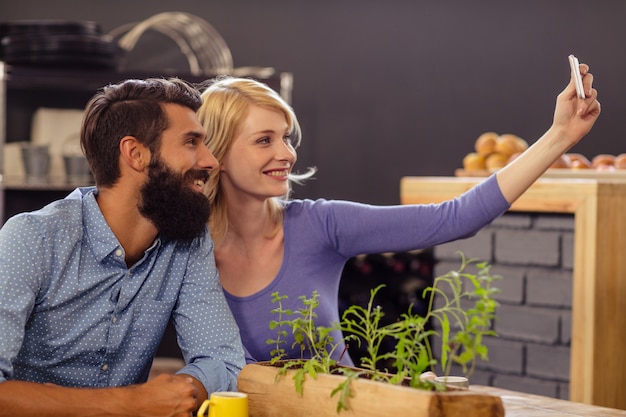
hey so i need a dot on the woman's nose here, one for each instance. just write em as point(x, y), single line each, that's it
point(287, 153)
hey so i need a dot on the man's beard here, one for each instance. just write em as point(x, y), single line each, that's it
point(169, 202)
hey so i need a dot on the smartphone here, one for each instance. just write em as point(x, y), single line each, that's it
point(578, 79)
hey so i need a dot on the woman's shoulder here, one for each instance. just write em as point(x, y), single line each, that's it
point(300, 206)
point(322, 211)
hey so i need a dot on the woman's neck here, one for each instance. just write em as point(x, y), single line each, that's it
point(252, 221)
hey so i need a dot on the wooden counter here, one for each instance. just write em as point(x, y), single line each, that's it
point(518, 404)
point(598, 346)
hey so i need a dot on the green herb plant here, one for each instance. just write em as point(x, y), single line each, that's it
point(460, 304)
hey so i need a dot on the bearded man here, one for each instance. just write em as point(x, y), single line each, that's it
point(89, 283)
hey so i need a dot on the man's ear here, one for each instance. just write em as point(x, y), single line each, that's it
point(133, 153)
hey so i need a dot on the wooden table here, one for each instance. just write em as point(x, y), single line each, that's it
point(598, 358)
point(517, 404)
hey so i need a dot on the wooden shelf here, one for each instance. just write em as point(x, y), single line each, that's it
point(51, 183)
point(572, 174)
point(598, 363)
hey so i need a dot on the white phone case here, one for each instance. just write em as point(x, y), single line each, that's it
point(578, 80)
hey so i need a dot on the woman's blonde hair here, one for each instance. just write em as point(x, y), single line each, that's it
point(225, 104)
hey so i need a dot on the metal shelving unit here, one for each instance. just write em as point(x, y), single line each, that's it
point(25, 89)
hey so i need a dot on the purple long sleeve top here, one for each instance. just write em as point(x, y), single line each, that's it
point(321, 235)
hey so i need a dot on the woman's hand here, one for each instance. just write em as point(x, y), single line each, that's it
point(574, 117)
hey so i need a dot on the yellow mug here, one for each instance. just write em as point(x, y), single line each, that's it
point(225, 404)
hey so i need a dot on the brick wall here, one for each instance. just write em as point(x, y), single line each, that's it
point(533, 253)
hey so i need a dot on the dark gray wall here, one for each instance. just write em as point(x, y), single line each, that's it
point(391, 88)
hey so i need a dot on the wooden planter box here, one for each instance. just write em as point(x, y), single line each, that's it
point(269, 397)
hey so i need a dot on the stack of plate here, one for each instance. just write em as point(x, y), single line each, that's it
point(57, 43)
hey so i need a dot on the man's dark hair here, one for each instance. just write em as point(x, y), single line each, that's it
point(129, 108)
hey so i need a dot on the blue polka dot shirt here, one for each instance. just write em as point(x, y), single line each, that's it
point(72, 313)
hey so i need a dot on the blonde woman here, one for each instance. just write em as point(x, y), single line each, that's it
point(266, 242)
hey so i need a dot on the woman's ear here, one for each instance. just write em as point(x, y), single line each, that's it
point(133, 153)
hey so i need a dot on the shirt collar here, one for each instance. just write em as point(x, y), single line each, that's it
point(101, 238)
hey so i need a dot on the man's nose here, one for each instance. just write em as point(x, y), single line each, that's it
point(207, 160)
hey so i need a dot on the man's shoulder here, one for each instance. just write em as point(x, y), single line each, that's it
point(56, 214)
point(202, 244)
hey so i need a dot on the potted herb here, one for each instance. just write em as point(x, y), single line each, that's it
point(462, 305)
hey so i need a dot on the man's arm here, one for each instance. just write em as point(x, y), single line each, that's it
point(207, 332)
point(164, 395)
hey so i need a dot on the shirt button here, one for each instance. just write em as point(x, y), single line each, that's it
point(118, 252)
point(105, 367)
point(114, 320)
